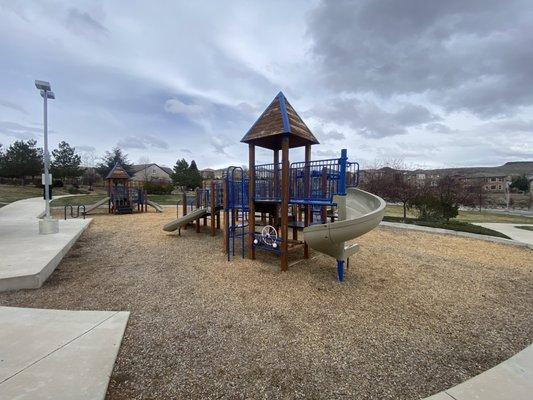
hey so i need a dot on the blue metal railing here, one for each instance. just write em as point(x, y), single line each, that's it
point(313, 182)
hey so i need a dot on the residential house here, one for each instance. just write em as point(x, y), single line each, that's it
point(151, 173)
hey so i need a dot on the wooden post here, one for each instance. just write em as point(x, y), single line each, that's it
point(213, 231)
point(284, 201)
point(251, 201)
point(275, 189)
point(203, 201)
point(324, 184)
point(295, 222)
point(197, 207)
point(184, 206)
point(226, 214)
point(307, 191)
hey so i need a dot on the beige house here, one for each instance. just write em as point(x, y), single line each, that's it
point(151, 173)
point(210, 173)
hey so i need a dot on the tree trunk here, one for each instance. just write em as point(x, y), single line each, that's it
point(404, 211)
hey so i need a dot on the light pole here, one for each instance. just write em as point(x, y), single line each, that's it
point(47, 224)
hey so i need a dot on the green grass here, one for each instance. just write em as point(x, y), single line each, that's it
point(86, 200)
point(459, 226)
point(11, 193)
point(166, 199)
point(526, 228)
point(163, 199)
point(394, 210)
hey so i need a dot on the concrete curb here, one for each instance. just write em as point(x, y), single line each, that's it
point(439, 231)
point(511, 379)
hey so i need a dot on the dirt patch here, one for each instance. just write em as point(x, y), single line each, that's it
point(418, 313)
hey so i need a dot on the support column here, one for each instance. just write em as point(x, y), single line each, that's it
point(307, 193)
point(198, 202)
point(212, 205)
point(225, 233)
point(284, 201)
point(275, 191)
point(324, 184)
point(251, 201)
point(183, 207)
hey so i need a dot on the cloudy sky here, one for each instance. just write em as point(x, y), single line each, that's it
point(434, 83)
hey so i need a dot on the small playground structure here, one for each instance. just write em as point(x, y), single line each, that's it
point(319, 197)
point(124, 196)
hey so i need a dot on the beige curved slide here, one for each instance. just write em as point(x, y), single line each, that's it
point(359, 213)
point(96, 205)
point(177, 223)
point(157, 207)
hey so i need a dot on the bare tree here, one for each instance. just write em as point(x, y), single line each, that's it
point(145, 161)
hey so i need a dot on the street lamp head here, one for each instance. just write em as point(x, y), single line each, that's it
point(49, 95)
point(43, 85)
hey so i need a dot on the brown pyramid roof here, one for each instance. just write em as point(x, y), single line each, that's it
point(118, 172)
point(278, 119)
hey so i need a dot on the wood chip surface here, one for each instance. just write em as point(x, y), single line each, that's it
point(417, 314)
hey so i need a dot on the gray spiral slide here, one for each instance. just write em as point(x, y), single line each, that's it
point(359, 213)
point(177, 223)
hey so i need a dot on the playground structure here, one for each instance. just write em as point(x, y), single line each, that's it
point(207, 202)
point(124, 196)
point(318, 197)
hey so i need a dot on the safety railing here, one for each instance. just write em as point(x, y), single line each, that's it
point(267, 182)
point(313, 182)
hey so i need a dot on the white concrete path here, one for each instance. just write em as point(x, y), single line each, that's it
point(510, 230)
point(29, 258)
point(512, 380)
point(439, 231)
point(57, 354)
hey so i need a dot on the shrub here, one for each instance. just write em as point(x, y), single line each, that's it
point(57, 183)
point(158, 188)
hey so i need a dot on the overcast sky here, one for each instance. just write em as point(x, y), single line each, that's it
point(435, 83)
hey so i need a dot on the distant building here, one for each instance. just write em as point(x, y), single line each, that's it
point(151, 173)
point(209, 173)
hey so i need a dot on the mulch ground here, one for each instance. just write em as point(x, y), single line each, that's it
point(417, 314)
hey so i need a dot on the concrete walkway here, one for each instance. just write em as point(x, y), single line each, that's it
point(512, 379)
point(510, 230)
point(29, 258)
point(57, 354)
point(439, 231)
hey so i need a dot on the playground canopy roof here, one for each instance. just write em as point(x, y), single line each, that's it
point(118, 172)
point(279, 119)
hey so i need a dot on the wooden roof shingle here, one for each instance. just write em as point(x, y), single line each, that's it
point(279, 119)
point(118, 172)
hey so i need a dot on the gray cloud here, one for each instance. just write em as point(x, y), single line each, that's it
point(19, 131)
point(86, 148)
point(82, 23)
point(142, 142)
point(372, 121)
point(473, 56)
point(13, 106)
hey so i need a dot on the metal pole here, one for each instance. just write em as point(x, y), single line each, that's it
point(46, 157)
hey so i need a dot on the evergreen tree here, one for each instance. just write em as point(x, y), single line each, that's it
point(521, 183)
point(180, 176)
point(22, 159)
point(195, 178)
point(110, 159)
point(66, 163)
